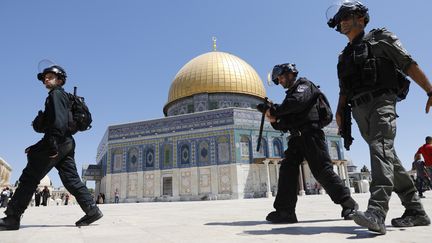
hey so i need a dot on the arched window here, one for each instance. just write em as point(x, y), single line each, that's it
point(334, 151)
point(185, 154)
point(149, 158)
point(263, 152)
point(117, 160)
point(204, 152)
point(245, 147)
point(277, 147)
point(132, 160)
point(167, 156)
point(223, 149)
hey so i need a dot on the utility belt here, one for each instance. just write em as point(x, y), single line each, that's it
point(297, 132)
point(367, 97)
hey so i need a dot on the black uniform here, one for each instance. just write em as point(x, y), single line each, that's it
point(53, 122)
point(298, 114)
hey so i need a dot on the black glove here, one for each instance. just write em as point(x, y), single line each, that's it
point(38, 123)
point(263, 107)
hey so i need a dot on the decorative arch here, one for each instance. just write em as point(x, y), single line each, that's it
point(117, 160)
point(149, 157)
point(203, 153)
point(263, 152)
point(132, 159)
point(223, 149)
point(184, 154)
point(245, 148)
point(277, 148)
point(167, 156)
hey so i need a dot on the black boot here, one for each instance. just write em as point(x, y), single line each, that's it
point(281, 217)
point(410, 218)
point(91, 216)
point(371, 219)
point(10, 222)
point(349, 207)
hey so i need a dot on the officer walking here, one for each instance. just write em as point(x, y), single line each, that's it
point(298, 114)
point(371, 72)
point(55, 149)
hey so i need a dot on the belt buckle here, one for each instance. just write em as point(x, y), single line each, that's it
point(294, 134)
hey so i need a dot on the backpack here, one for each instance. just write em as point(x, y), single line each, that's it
point(80, 118)
point(325, 114)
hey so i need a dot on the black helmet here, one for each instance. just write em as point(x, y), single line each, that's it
point(283, 68)
point(346, 9)
point(59, 71)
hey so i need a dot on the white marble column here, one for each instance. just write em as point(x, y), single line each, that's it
point(266, 164)
point(277, 170)
point(277, 165)
point(302, 191)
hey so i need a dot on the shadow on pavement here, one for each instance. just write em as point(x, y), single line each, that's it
point(251, 223)
point(239, 223)
point(47, 226)
point(355, 231)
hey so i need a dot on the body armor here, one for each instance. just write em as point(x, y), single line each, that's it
point(359, 70)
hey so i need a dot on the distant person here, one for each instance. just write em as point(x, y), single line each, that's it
point(426, 151)
point(66, 199)
point(116, 196)
point(37, 197)
point(45, 196)
point(99, 199)
point(55, 149)
point(422, 177)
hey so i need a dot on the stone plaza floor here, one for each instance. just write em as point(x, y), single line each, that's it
point(211, 221)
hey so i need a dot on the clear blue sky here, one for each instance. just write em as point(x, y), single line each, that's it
point(123, 56)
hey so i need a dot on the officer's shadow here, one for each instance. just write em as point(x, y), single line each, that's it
point(48, 226)
point(355, 232)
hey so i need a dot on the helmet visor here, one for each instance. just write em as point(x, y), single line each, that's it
point(277, 71)
point(340, 11)
point(269, 79)
point(44, 64)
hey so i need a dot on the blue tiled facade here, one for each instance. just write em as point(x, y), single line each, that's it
point(217, 137)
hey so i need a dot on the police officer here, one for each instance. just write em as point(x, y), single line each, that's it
point(298, 114)
point(55, 149)
point(371, 72)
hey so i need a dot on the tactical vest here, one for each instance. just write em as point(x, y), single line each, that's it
point(359, 70)
point(308, 116)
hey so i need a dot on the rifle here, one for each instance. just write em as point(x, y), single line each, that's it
point(345, 130)
point(262, 108)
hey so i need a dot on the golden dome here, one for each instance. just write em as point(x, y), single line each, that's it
point(215, 72)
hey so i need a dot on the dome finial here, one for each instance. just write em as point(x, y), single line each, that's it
point(214, 43)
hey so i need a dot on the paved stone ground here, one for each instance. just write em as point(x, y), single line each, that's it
point(211, 221)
